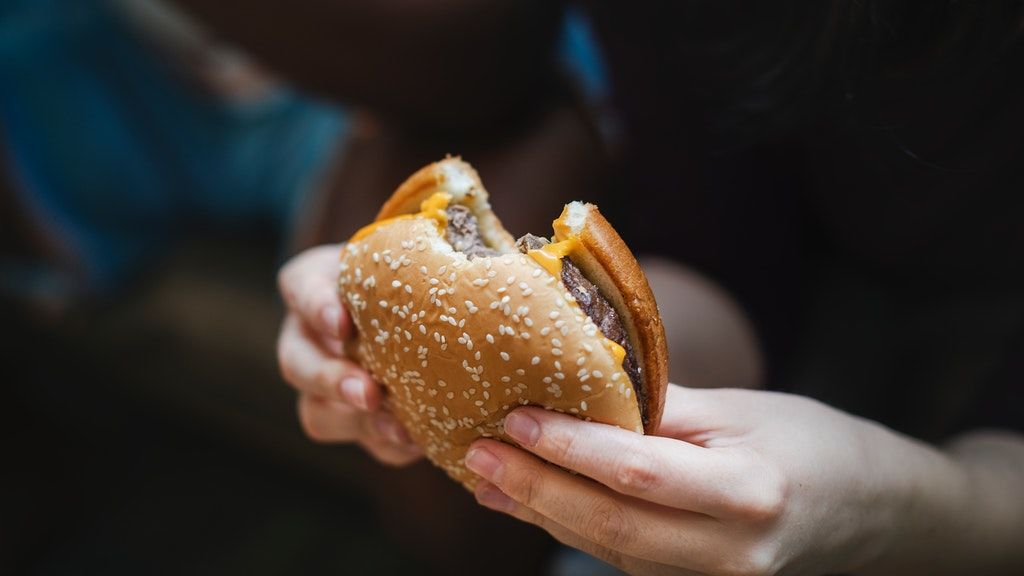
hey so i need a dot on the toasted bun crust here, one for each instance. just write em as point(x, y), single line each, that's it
point(459, 343)
point(459, 179)
point(608, 263)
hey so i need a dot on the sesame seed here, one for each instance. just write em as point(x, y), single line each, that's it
point(489, 338)
point(396, 283)
point(535, 360)
point(504, 356)
point(553, 314)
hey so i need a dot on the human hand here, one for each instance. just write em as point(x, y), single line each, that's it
point(738, 482)
point(338, 399)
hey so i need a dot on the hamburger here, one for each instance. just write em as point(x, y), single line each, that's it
point(462, 323)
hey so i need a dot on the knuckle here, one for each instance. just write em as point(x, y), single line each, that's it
point(561, 445)
point(283, 284)
point(394, 459)
point(768, 500)
point(635, 474)
point(284, 363)
point(308, 421)
point(764, 496)
point(608, 525)
point(527, 486)
point(752, 561)
point(324, 376)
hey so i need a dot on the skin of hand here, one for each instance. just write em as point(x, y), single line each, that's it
point(338, 400)
point(752, 482)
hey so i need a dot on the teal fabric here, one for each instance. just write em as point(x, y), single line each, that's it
point(116, 156)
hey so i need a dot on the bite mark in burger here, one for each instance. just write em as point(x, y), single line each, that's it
point(461, 323)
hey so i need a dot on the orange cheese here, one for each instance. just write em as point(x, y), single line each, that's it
point(432, 208)
point(550, 255)
point(618, 351)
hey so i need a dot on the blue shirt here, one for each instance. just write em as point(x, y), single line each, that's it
point(115, 155)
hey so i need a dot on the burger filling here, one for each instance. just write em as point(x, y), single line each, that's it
point(463, 233)
point(589, 298)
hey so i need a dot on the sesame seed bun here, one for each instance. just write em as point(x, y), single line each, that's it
point(459, 342)
point(607, 262)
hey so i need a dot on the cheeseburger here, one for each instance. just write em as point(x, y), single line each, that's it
point(463, 323)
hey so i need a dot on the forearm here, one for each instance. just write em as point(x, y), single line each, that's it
point(957, 511)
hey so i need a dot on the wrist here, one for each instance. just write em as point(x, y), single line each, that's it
point(922, 500)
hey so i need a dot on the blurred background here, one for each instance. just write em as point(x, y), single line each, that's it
point(154, 175)
point(846, 171)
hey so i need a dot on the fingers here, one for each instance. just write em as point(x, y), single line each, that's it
point(308, 284)
point(379, 433)
point(489, 495)
point(593, 512)
point(306, 366)
point(392, 454)
point(660, 470)
point(329, 421)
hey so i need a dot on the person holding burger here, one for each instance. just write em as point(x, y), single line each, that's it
point(845, 172)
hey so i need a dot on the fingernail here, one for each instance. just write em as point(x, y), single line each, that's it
point(490, 496)
point(484, 463)
point(331, 317)
point(353, 390)
point(522, 428)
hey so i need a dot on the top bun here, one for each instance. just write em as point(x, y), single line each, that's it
point(458, 342)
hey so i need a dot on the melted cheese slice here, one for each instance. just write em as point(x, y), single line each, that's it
point(433, 208)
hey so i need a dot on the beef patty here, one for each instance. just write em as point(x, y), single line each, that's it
point(463, 233)
point(589, 298)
